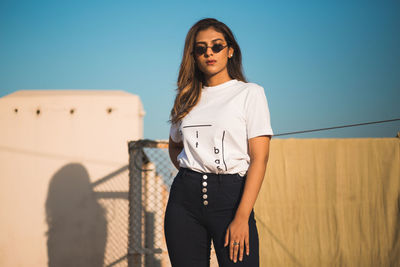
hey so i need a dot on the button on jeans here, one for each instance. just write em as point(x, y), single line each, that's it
point(200, 208)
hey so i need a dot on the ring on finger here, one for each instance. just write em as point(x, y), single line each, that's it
point(235, 243)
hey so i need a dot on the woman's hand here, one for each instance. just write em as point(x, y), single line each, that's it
point(237, 237)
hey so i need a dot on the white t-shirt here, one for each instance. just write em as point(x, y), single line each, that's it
point(215, 133)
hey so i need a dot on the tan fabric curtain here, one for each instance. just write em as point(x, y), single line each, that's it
point(330, 202)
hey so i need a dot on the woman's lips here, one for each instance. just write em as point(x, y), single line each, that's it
point(211, 62)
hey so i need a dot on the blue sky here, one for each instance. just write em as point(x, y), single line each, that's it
point(321, 63)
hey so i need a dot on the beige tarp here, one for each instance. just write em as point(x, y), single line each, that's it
point(330, 202)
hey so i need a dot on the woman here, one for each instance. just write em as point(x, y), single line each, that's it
point(219, 141)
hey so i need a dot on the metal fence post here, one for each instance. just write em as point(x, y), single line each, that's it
point(135, 205)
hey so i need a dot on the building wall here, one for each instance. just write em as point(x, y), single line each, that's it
point(63, 176)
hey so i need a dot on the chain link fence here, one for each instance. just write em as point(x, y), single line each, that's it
point(151, 174)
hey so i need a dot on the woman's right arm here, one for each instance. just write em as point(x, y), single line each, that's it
point(174, 149)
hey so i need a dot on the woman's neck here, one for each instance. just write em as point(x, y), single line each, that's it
point(217, 79)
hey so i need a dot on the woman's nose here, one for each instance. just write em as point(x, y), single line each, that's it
point(208, 51)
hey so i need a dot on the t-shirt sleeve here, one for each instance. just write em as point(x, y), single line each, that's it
point(175, 133)
point(258, 120)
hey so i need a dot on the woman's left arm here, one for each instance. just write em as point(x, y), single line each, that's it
point(238, 230)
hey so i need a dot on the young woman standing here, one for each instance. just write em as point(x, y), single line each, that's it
point(219, 141)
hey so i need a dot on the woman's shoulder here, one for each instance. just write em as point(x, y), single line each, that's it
point(243, 90)
point(251, 87)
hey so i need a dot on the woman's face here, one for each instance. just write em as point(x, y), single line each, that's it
point(212, 63)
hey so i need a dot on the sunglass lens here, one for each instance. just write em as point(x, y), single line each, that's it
point(199, 50)
point(217, 48)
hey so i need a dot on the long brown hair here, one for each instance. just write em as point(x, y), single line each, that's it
point(191, 79)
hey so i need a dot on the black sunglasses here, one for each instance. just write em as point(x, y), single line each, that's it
point(216, 48)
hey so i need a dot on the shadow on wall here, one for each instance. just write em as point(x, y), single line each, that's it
point(77, 226)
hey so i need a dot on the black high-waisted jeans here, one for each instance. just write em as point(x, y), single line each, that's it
point(200, 208)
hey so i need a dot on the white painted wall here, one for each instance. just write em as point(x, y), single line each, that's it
point(63, 176)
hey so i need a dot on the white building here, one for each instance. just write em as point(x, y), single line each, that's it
point(64, 176)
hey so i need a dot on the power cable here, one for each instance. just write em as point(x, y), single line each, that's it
point(336, 127)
